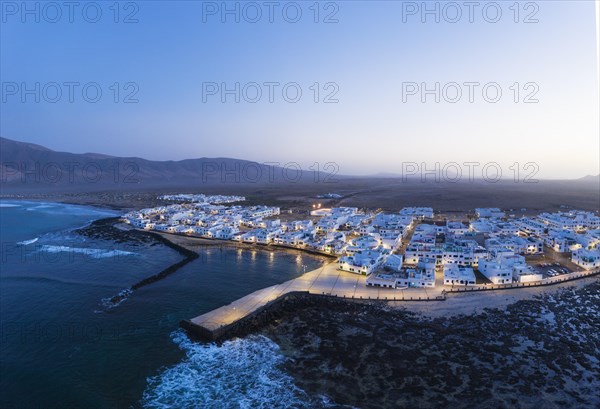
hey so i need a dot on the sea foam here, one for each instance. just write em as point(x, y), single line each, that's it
point(243, 373)
point(94, 253)
point(28, 242)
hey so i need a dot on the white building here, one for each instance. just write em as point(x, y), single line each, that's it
point(419, 213)
point(574, 220)
point(562, 241)
point(531, 226)
point(481, 226)
point(519, 245)
point(489, 212)
point(589, 240)
point(458, 275)
point(266, 236)
point(588, 259)
point(394, 262)
point(496, 272)
point(457, 228)
point(382, 280)
point(503, 265)
point(528, 276)
point(363, 262)
point(421, 276)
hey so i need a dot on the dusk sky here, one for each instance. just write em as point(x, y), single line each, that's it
point(370, 59)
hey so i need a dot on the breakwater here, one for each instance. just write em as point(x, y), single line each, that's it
point(105, 228)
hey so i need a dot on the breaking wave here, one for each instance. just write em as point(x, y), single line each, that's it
point(28, 242)
point(42, 206)
point(243, 373)
point(94, 253)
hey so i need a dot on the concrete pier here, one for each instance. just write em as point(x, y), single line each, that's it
point(326, 280)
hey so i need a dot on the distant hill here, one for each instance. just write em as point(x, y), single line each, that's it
point(590, 178)
point(26, 166)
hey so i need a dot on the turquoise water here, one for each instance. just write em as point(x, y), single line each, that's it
point(60, 348)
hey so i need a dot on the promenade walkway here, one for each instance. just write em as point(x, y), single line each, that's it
point(326, 280)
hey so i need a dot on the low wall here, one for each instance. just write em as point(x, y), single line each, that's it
point(440, 297)
point(545, 282)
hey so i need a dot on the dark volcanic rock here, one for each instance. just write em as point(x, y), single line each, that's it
point(537, 353)
point(104, 229)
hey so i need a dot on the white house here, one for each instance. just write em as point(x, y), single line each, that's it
point(419, 213)
point(458, 275)
point(266, 236)
point(528, 276)
point(382, 280)
point(503, 266)
point(363, 262)
point(371, 241)
point(520, 245)
point(562, 241)
point(589, 240)
point(588, 259)
point(226, 233)
point(421, 276)
point(489, 212)
point(457, 228)
point(394, 262)
point(481, 226)
point(496, 272)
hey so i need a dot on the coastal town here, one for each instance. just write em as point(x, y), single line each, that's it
point(412, 248)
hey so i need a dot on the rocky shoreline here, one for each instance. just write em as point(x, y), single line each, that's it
point(541, 352)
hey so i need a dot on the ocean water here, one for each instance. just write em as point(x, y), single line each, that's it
point(243, 373)
point(59, 348)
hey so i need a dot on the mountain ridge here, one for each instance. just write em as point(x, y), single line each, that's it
point(29, 166)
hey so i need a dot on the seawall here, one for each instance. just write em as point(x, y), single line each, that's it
point(263, 316)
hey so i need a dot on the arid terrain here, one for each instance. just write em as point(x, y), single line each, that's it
point(542, 352)
point(35, 172)
point(374, 193)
